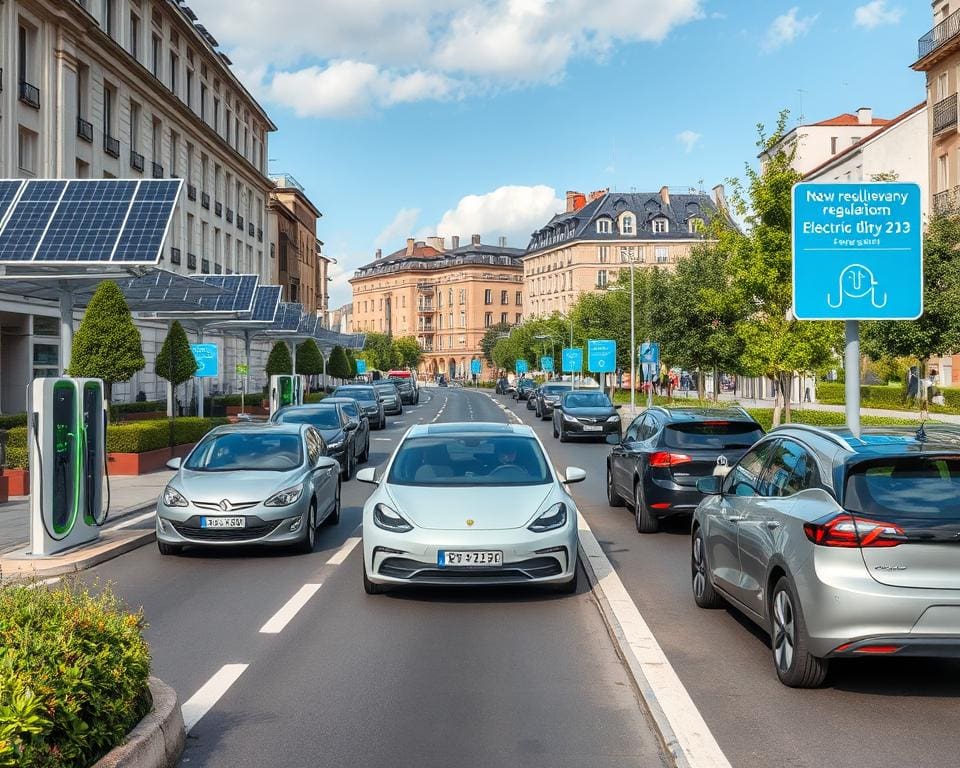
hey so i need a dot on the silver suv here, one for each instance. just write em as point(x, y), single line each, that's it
point(839, 547)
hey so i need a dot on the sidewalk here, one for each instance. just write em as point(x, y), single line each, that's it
point(127, 496)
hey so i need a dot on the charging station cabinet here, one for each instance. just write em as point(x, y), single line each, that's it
point(67, 435)
point(286, 390)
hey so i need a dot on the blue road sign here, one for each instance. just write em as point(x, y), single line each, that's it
point(572, 360)
point(361, 367)
point(601, 355)
point(857, 251)
point(208, 360)
point(546, 363)
point(521, 366)
point(649, 352)
point(475, 367)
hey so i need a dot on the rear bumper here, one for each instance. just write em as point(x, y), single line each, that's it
point(930, 646)
point(393, 410)
point(668, 501)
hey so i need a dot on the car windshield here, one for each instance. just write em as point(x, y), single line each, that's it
point(719, 434)
point(586, 400)
point(899, 488)
point(363, 394)
point(402, 383)
point(469, 460)
point(351, 410)
point(321, 418)
point(247, 451)
point(387, 389)
point(527, 383)
point(554, 389)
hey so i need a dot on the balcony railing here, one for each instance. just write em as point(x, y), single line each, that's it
point(136, 161)
point(945, 31)
point(191, 261)
point(205, 200)
point(191, 192)
point(85, 130)
point(111, 145)
point(157, 170)
point(29, 94)
point(218, 209)
point(239, 222)
point(426, 307)
point(174, 255)
point(251, 230)
point(205, 266)
point(945, 114)
point(230, 215)
point(947, 203)
point(218, 269)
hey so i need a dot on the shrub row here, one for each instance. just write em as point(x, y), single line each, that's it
point(889, 397)
point(314, 397)
point(764, 417)
point(13, 420)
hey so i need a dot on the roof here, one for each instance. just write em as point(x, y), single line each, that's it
point(696, 413)
point(885, 441)
point(423, 256)
point(470, 428)
point(259, 426)
point(851, 120)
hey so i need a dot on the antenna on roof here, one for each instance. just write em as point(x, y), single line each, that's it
point(800, 116)
point(921, 432)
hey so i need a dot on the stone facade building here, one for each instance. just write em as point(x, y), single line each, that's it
point(301, 267)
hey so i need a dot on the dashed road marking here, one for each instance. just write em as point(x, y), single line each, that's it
point(292, 607)
point(344, 552)
point(210, 693)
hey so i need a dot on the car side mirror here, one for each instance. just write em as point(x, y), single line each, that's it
point(174, 463)
point(368, 475)
point(574, 475)
point(709, 486)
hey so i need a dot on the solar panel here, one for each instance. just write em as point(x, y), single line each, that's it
point(265, 304)
point(308, 325)
point(148, 221)
point(238, 296)
point(8, 191)
point(28, 219)
point(291, 317)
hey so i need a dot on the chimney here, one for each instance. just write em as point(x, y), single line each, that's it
point(474, 239)
point(410, 242)
point(502, 242)
point(572, 199)
point(455, 242)
point(865, 116)
point(596, 194)
point(665, 195)
point(436, 243)
point(720, 198)
point(379, 253)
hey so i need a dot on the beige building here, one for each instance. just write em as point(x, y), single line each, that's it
point(446, 298)
point(294, 249)
point(585, 247)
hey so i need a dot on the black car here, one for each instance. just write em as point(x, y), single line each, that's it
point(585, 414)
point(655, 467)
point(409, 392)
point(369, 400)
point(356, 414)
point(389, 394)
point(502, 387)
point(548, 397)
point(338, 430)
point(524, 388)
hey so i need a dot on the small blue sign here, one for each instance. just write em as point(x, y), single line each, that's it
point(521, 366)
point(475, 367)
point(361, 367)
point(601, 355)
point(208, 360)
point(857, 251)
point(546, 363)
point(572, 360)
point(649, 352)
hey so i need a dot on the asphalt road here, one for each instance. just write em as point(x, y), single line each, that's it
point(872, 714)
point(420, 678)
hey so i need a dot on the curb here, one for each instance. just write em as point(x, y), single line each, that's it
point(40, 568)
point(157, 740)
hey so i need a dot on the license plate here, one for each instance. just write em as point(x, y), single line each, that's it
point(447, 559)
point(223, 522)
point(590, 428)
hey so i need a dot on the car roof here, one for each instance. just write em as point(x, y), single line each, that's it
point(680, 413)
point(353, 386)
point(259, 427)
point(467, 428)
point(883, 441)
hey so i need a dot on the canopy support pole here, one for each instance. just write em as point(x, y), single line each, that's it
point(66, 328)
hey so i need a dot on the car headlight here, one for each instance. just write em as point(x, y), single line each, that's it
point(389, 520)
point(613, 418)
point(335, 446)
point(571, 419)
point(286, 497)
point(555, 517)
point(173, 498)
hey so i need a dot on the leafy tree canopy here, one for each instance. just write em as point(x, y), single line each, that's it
point(175, 361)
point(279, 362)
point(309, 359)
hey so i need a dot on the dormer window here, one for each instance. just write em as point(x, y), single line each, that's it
point(661, 225)
point(695, 224)
point(604, 226)
point(628, 224)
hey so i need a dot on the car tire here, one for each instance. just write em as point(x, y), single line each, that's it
point(563, 435)
point(334, 517)
point(613, 498)
point(368, 586)
point(646, 522)
point(308, 542)
point(569, 587)
point(347, 472)
point(704, 594)
point(417, 399)
point(555, 433)
point(796, 667)
point(168, 549)
point(365, 456)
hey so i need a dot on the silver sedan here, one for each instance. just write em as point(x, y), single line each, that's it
point(468, 504)
point(250, 484)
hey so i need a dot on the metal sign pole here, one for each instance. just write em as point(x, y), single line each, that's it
point(851, 363)
point(66, 328)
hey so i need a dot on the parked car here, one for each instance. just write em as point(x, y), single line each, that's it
point(655, 467)
point(532, 398)
point(502, 386)
point(369, 400)
point(585, 414)
point(442, 381)
point(840, 547)
point(524, 388)
point(250, 484)
point(409, 391)
point(466, 504)
point(547, 396)
point(390, 397)
point(355, 413)
point(338, 431)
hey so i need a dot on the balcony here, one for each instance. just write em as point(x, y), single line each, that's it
point(136, 161)
point(111, 145)
point(230, 215)
point(205, 266)
point(426, 329)
point(174, 255)
point(29, 94)
point(940, 35)
point(947, 203)
point(157, 170)
point(259, 235)
point(191, 192)
point(218, 269)
point(191, 261)
point(85, 130)
point(218, 209)
point(205, 200)
point(426, 306)
point(240, 222)
point(251, 230)
point(945, 115)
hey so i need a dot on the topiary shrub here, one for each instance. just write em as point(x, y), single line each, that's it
point(73, 675)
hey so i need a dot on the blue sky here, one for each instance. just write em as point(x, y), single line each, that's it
point(393, 113)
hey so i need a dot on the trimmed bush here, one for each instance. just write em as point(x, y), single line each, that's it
point(143, 436)
point(13, 420)
point(827, 418)
point(314, 397)
point(73, 675)
point(871, 396)
point(147, 406)
point(16, 458)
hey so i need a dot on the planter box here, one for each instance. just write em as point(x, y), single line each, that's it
point(253, 410)
point(144, 463)
point(17, 481)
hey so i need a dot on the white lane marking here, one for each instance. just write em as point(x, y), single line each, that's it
point(677, 717)
point(344, 552)
point(399, 421)
point(133, 521)
point(383, 439)
point(210, 693)
point(282, 617)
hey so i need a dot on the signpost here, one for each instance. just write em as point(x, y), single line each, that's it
point(649, 361)
point(857, 255)
point(361, 367)
point(475, 369)
point(571, 361)
point(601, 355)
point(243, 370)
point(521, 366)
point(546, 364)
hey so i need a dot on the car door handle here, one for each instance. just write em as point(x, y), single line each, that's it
point(736, 519)
point(773, 525)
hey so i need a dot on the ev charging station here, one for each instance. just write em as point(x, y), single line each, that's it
point(286, 390)
point(67, 434)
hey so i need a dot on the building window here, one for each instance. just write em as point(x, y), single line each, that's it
point(463, 296)
point(488, 296)
point(463, 319)
point(628, 224)
point(216, 115)
point(155, 53)
point(134, 35)
point(661, 254)
point(134, 127)
point(603, 253)
point(487, 319)
point(203, 102)
point(108, 16)
point(695, 224)
point(628, 254)
point(943, 174)
point(503, 318)
point(504, 297)
point(27, 151)
point(174, 154)
point(174, 67)
point(604, 226)
point(601, 278)
point(834, 140)
point(519, 318)
point(661, 226)
point(109, 111)
point(189, 93)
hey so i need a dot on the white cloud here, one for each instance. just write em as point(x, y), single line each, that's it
point(689, 140)
point(875, 13)
point(400, 228)
point(786, 28)
point(510, 211)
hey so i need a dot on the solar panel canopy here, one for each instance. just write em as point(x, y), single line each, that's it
point(85, 221)
point(238, 293)
point(266, 302)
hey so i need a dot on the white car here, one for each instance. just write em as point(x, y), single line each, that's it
point(466, 504)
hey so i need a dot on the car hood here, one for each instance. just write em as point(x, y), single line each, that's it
point(240, 487)
point(490, 508)
point(593, 413)
point(332, 435)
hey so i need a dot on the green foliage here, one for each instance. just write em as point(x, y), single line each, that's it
point(175, 361)
point(73, 675)
point(13, 420)
point(145, 406)
point(143, 436)
point(352, 359)
point(107, 344)
point(314, 397)
point(764, 417)
point(407, 350)
point(380, 353)
point(279, 362)
point(309, 359)
point(338, 366)
point(490, 339)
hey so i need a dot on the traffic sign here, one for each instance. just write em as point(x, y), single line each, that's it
point(208, 360)
point(650, 352)
point(857, 251)
point(521, 366)
point(601, 355)
point(361, 367)
point(572, 360)
point(243, 369)
point(546, 363)
point(475, 367)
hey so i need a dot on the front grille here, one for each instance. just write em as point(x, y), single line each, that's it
point(526, 570)
point(214, 506)
point(256, 529)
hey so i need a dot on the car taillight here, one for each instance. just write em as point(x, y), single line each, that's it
point(847, 530)
point(667, 459)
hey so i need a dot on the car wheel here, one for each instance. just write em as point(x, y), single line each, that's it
point(417, 400)
point(555, 433)
point(368, 586)
point(365, 456)
point(703, 592)
point(568, 587)
point(795, 665)
point(613, 498)
point(646, 522)
point(334, 517)
point(400, 412)
point(347, 472)
point(306, 544)
point(169, 549)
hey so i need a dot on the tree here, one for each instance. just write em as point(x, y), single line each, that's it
point(175, 361)
point(352, 360)
point(309, 360)
point(279, 361)
point(379, 352)
point(408, 351)
point(107, 345)
point(490, 339)
point(339, 366)
point(504, 354)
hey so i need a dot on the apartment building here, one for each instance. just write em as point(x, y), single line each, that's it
point(447, 298)
point(585, 247)
point(301, 267)
point(130, 89)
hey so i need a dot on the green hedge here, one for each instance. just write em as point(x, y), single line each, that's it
point(73, 675)
point(871, 396)
point(314, 397)
point(13, 420)
point(147, 406)
point(827, 418)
